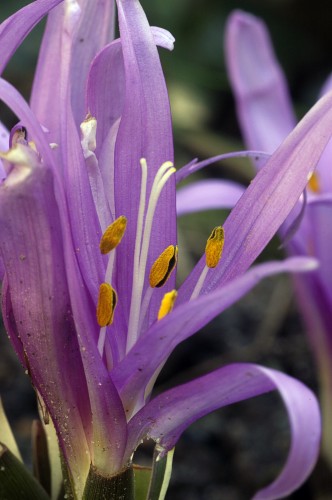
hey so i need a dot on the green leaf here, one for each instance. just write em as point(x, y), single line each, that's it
point(161, 474)
point(142, 481)
point(15, 479)
point(100, 486)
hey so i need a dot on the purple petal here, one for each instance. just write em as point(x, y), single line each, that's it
point(324, 167)
point(109, 424)
point(135, 372)
point(14, 29)
point(38, 305)
point(259, 157)
point(269, 199)
point(105, 90)
point(168, 415)
point(55, 58)
point(263, 103)
point(146, 126)
point(319, 213)
point(79, 198)
point(106, 83)
point(207, 195)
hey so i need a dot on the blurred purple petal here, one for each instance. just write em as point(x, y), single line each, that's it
point(263, 102)
point(207, 195)
point(258, 156)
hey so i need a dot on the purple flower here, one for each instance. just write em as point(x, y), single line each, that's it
point(266, 116)
point(88, 244)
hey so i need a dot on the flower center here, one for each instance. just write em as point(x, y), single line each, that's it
point(160, 270)
point(138, 308)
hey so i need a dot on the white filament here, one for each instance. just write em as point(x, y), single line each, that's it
point(200, 283)
point(143, 235)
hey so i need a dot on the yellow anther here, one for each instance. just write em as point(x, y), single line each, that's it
point(163, 266)
point(167, 304)
point(313, 183)
point(113, 235)
point(214, 246)
point(106, 304)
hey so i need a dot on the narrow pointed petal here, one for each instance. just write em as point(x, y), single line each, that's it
point(14, 29)
point(109, 419)
point(269, 199)
point(79, 198)
point(146, 123)
point(168, 415)
point(109, 425)
point(39, 303)
point(259, 157)
point(105, 92)
point(94, 28)
point(135, 372)
point(207, 195)
point(83, 217)
point(263, 102)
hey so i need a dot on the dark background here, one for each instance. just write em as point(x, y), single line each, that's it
point(230, 453)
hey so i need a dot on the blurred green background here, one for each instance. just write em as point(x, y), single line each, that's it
point(234, 451)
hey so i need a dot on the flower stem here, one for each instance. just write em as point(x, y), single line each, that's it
point(119, 487)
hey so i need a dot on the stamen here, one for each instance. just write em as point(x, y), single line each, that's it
point(213, 253)
point(200, 283)
point(113, 235)
point(214, 246)
point(163, 267)
point(313, 183)
point(162, 176)
point(167, 304)
point(106, 304)
point(143, 234)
